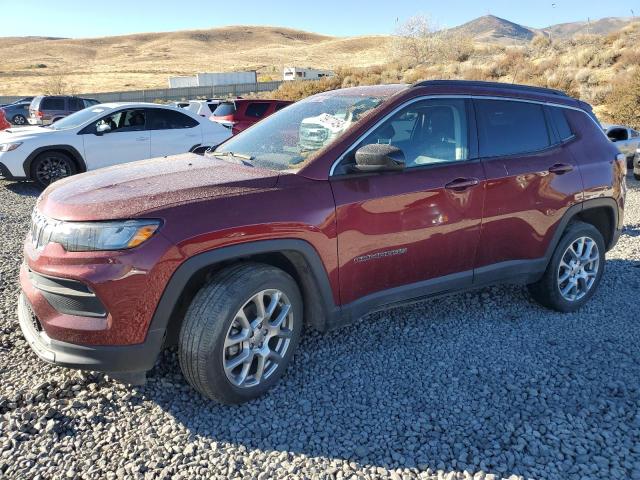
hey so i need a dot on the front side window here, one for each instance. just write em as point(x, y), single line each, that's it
point(511, 127)
point(290, 137)
point(428, 132)
point(75, 104)
point(131, 120)
point(618, 134)
point(161, 119)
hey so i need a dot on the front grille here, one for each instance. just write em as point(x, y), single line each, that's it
point(42, 229)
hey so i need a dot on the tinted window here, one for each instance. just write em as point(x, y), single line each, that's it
point(75, 104)
point(560, 121)
point(256, 110)
point(161, 119)
point(225, 109)
point(618, 134)
point(427, 132)
point(52, 103)
point(280, 106)
point(125, 120)
point(511, 127)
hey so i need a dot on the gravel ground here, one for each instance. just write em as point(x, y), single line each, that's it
point(482, 385)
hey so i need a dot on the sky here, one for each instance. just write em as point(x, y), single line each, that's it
point(97, 18)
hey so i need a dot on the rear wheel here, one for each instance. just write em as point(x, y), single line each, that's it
point(636, 176)
point(240, 332)
point(49, 167)
point(19, 120)
point(574, 271)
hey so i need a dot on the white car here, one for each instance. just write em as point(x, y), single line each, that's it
point(203, 108)
point(101, 136)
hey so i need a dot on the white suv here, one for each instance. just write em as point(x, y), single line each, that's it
point(101, 136)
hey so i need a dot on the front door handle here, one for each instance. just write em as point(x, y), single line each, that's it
point(560, 168)
point(462, 184)
point(142, 139)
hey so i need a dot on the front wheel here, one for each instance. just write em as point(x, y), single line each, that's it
point(574, 271)
point(636, 176)
point(240, 332)
point(49, 167)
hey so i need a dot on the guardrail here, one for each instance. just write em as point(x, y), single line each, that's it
point(172, 94)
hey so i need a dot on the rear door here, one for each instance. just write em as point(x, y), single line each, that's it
point(532, 179)
point(127, 141)
point(253, 112)
point(417, 230)
point(172, 132)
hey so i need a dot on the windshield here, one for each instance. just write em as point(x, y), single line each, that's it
point(289, 137)
point(79, 118)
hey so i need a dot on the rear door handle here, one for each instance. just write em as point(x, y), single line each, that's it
point(142, 139)
point(560, 168)
point(462, 184)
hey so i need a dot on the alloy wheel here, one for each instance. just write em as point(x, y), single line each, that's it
point(258, 338)
point(51, 169)
point(578, 268)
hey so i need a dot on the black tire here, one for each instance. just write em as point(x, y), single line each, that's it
point(547, 291)
point(49, 167)
point(209, 318)
point(19, 120)
point(636, 176)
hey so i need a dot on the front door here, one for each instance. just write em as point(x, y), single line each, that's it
point(126, 139)
point(415, 231)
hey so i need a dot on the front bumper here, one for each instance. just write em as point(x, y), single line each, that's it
point(11, 166)
point(113, 359)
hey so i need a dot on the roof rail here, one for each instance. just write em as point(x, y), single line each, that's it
point(476, 83)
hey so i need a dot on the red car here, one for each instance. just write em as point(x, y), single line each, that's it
point(389, 194)
point(241, 113)
point(4, 124)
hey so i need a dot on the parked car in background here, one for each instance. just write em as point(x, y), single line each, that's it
point(179, 104)
point(230, 257)
point(636, 165)
point(17, 113)
point(102, 136)
point(47, 109)
point(4, 123)
point(626, 139)
point(20, 100)
point(203, 108)
point(241, 113)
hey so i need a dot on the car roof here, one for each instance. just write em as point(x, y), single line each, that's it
point(131, 105)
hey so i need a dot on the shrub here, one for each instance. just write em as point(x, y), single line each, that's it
point(623, 102)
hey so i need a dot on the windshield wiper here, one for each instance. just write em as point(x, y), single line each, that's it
point(242, 158)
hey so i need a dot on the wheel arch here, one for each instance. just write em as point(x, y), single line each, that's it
point(296, 257)
point(67, 149)
point(602, 213)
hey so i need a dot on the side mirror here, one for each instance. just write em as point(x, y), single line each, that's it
point(103, 128)
point(379, 158)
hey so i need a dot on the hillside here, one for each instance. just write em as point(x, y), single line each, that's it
point(603, 26)
point(146, 60)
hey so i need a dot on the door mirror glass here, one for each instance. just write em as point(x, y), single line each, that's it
point(379, 158)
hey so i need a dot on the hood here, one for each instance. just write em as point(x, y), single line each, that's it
point(127, 191)
point(23, 133)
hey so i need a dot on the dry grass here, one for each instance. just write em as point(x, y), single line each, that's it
point(147, 60)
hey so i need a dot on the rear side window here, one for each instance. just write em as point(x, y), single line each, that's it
point(280, 106)
point(161, 119)
point(511, 127)
point(256, 110)
point(618, 134)
point(52, 103)
point(561, 123)
point(225, 109)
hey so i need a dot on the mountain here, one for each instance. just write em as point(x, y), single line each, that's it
point(603, 26)
point(494, 29)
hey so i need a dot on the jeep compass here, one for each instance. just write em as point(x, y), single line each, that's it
point(346, 202)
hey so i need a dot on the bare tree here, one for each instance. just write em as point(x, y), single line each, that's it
point(416, 39)
point(57, 84)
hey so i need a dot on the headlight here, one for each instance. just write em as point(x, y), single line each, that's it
point(7, 147)
point(92, 236)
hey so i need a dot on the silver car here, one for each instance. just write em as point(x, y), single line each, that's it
point(626, 139)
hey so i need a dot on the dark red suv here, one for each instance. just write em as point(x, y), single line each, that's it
point(384, 195)
point(241, 113)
